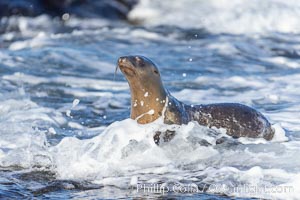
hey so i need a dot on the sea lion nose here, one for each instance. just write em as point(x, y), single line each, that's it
point(122, 59)
point(135, 60)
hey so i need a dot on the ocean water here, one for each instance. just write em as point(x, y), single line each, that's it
point(65, 130)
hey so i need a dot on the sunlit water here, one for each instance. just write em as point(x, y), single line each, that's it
point(64, 127)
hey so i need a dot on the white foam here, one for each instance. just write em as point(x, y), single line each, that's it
point(279, 135)
point(230, 16)
point(126, 150)
point(68, 113)
point(25, 110)
point(75, 125)
point(118, 150)
point(52, 130)
point(283, 61)
point(38, 41)
point(117, 156)
point(232, 82)
point(21, 143)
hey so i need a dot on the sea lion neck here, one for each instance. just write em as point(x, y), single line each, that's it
point(147, 103)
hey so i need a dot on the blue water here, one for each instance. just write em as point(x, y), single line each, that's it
point(47, 66)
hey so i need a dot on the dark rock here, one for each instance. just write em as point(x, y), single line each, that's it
point(111, 9)
point(227, 142)
point(166, 136)
point(20, 7)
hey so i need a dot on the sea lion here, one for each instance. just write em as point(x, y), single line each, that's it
point(150, 100)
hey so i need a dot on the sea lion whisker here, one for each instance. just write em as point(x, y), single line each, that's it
point(116, 70)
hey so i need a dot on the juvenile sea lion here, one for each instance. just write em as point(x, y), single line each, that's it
point(150, 100)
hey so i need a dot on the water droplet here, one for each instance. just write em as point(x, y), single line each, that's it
point(65, 16)
point(75, 103)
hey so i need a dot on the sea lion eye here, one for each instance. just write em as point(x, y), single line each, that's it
point(155, 71)
point(140, 62)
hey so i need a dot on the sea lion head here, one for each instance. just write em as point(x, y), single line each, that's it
point(148, 95)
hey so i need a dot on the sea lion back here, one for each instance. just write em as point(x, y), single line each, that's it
point(239, 120)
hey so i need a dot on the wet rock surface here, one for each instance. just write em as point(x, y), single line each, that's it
point(111, 9)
